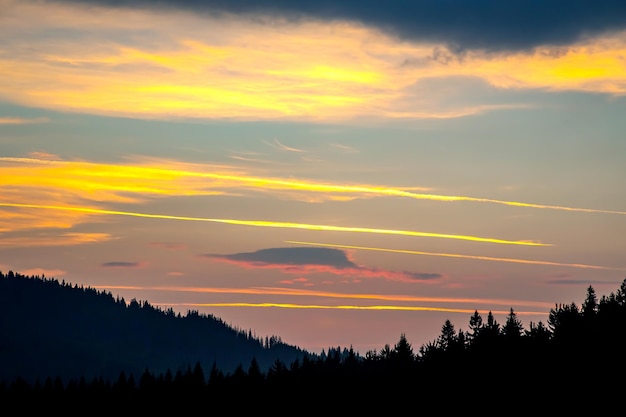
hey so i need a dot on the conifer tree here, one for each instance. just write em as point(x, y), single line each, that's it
point(513, 328)
point(448, 337)
point(475, 324)
point(590, 305)
point(403, 351)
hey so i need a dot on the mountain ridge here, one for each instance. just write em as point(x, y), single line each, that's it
point(53, 328)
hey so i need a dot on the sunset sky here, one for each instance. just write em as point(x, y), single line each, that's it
point(335, 173)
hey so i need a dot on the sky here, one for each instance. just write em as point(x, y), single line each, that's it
point(333, 173)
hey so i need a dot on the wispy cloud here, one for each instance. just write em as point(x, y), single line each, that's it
point(356, 307)
point(73, 192)
point(121, 264)
point(22, 120)
point(39, 155)
point(336, 295)
point(143, 177)
point(344, 148)
point(50, 273)
point(294, 260)
point(168, 245)
point(460, 256)
point(278, 145)
point(52, 239)
point(480, 303)
point(281, 225)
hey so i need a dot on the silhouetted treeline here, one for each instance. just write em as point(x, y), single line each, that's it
point(575, 362)
point(50, 328)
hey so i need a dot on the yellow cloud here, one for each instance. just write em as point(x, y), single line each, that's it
point(28, 178)
point(251, 70)
point(76, 190)
point(594, 66)
point(352, 307)
point(279, 225)
point(130, 183)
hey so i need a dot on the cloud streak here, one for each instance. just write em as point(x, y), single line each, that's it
point(295, 260)
point(278, 145)
point(281, 225)
point(120, 264)
point(53, 239)
point(133, 182)
point(485, 303)
point(297, 292)
point(356, 307)
point(460, 256)
point(63, 187)
point(22, 121)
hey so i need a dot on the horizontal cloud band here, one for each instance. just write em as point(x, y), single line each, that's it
point(287, 225)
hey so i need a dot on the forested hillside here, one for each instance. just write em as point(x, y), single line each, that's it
point(51, 328)
point(575, 362)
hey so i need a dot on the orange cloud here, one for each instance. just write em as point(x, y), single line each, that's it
point(43, 272)
point(304, 70)
point(298, 292)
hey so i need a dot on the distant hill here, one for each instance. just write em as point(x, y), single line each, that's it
point(54, 329)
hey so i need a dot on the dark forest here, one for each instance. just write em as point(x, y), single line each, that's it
point(68, 346)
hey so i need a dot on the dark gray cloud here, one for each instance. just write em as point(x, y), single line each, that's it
point(462, 24)
point(293, 256)
point(121, 264)
point(305, 260)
